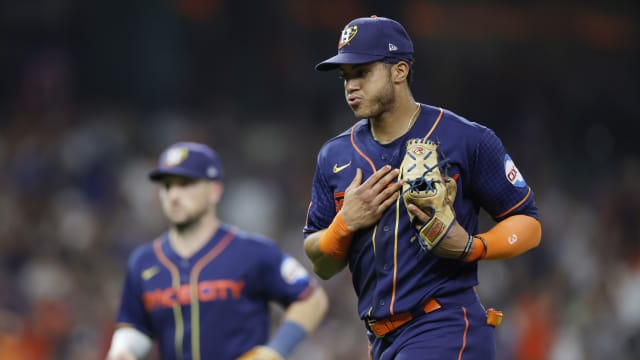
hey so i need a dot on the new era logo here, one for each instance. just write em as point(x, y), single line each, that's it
point(392, 47)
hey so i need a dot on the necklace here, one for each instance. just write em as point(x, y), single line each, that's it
point(411, 120)
point(413, 117)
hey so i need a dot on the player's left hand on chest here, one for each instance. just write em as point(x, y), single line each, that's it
point(261, 353)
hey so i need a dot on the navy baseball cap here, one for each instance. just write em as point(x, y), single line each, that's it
point(370, 39)
point(188, 159)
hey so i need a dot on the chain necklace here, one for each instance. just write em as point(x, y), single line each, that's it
point(411, 120)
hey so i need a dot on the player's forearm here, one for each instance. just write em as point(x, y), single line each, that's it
point(300, 319)
point(511, 237)
point(324, 265)
point(308, 313)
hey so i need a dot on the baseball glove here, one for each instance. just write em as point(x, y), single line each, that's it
point(261, 353)
point(426, 187)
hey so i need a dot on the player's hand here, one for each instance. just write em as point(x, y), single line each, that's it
point(452, 246)
point(421, 217)
point(261, 353)
point(365, 202)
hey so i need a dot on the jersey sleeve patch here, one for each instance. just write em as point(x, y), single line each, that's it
point(512, 173)
point(292, 271)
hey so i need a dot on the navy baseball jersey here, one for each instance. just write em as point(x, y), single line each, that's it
point(390, 272)
point(215, 304)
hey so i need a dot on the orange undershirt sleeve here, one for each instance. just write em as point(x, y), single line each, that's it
point(508, 238)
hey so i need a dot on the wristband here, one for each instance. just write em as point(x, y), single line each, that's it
point(288, 336)
point(336, 239)
point(467, 248)
point(478, 249)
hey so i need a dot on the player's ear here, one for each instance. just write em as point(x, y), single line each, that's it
point(400, 71)
point(217, 188)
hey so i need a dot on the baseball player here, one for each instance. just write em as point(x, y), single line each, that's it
point(203, 288)
point(415, 302)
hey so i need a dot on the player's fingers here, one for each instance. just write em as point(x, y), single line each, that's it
point(391, 189)
point(389, 180)
point(381, 176)
point(388, 201)
point(421, 216)
point(390, 177)
point(357, 179)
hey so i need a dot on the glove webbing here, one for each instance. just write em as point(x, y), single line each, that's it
point(422, 184)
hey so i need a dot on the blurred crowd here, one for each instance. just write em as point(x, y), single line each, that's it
point(91, 95)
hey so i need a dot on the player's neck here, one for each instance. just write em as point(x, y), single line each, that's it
point(187, 241)
point(393, 124)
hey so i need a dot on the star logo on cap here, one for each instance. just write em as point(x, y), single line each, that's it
point(175, 156)
point(347, 35)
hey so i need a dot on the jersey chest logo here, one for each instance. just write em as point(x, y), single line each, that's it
point(337, 169)
point(205, 291)
point(150, 272)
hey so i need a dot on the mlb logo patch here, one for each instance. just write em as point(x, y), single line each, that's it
point(292, 271)
point(512, 173)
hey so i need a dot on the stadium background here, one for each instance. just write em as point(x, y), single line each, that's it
point(91, 92)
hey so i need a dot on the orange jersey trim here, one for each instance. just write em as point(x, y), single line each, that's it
point(435, 124)
point(193, 283)
point(364, 156)
point(515, 206)
point(464, 335)
point(175, 283)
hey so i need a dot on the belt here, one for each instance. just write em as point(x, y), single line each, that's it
point(381, 327)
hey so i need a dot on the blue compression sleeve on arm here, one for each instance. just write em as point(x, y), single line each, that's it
point(287, 337)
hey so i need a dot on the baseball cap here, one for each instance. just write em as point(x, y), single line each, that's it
point(188, 159)
point(370, 39)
